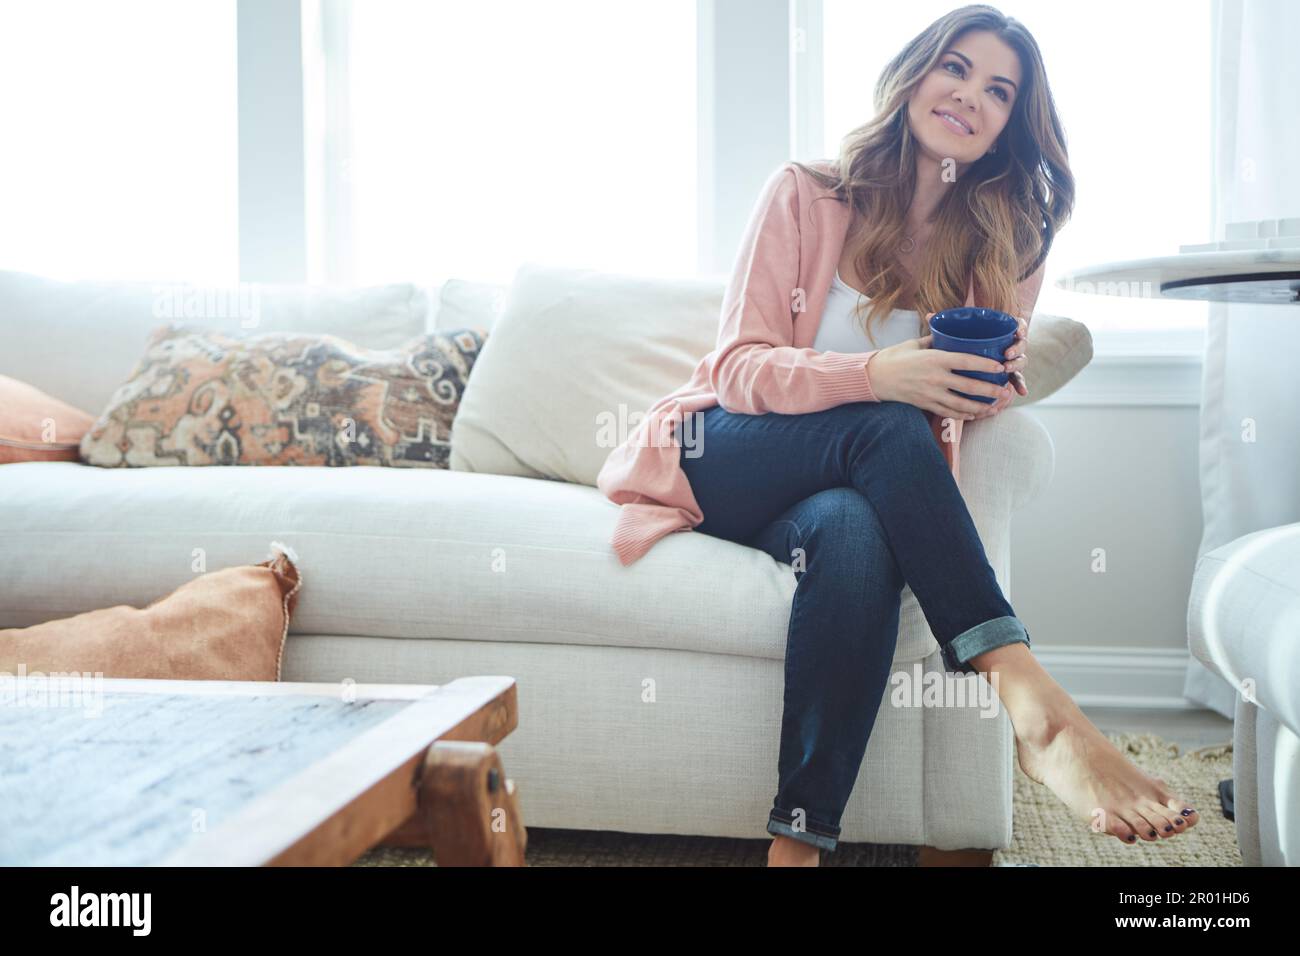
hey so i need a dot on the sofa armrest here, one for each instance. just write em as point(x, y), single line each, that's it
point(1059, 349)
point(1007, 461)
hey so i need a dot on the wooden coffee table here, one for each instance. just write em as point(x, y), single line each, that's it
point(206, 773)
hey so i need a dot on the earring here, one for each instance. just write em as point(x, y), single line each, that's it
point(993, 148)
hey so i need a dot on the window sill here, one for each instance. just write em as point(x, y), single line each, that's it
point(1180, 340)
point(1134, 379)
point(1139, 367)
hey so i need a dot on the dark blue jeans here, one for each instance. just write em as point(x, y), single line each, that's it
point(859, 500)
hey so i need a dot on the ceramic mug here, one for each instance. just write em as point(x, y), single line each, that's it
point(975, 331)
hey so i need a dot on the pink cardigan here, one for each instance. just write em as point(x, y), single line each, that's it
point(763, 361)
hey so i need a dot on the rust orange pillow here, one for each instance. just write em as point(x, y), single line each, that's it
point(229, 624)
point(38, 427)
point(201, 397)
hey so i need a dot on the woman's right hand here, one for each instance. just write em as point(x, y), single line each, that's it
point(914, 372)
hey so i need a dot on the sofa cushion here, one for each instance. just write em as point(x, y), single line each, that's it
point(200, 397)
point(38, 427)
point(389, 552)
point(577, 356)
point(110, 322)
point(467, 304)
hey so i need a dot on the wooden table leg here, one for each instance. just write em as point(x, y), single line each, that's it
point(468, 812)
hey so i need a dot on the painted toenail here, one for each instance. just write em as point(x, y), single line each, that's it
point(1151, 833)
point(1131, 838)
point(1167, 829)
point(1187, 810)
point(1178, 823)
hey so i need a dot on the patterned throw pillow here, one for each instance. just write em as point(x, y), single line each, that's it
point(201, 397)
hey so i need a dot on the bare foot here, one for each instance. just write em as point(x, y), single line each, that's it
point(787, 851)
point(1059, 747)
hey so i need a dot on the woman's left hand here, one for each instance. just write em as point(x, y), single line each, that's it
point(1015, 361)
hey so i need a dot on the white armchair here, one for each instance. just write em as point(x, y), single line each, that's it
point(1243, 623)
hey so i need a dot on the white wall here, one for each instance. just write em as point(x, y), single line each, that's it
point(1126, 481)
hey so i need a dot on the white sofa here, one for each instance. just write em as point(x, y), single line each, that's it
point(1243, 623)
point(650, 696)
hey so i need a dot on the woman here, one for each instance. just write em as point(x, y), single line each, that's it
point(833, 445)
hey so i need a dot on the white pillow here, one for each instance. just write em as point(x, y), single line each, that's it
point(571, 365)
point(78, 341)
point(577, 356)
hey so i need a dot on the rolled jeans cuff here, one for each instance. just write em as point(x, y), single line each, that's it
point(818, 836)
point(983, 637)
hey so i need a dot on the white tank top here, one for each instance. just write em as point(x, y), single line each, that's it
point(841, 331)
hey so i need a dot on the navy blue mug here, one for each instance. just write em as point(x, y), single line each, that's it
point(976, 331)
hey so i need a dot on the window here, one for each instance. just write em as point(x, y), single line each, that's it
point(481, 135)
point(1131, 83)
point(120, 130)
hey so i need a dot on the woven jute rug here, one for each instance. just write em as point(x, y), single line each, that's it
point(1044, 833)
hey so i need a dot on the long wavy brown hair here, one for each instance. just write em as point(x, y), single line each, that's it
point(1000, 216)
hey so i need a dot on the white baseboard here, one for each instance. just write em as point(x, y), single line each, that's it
point(1105, 677)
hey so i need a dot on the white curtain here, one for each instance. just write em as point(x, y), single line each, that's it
point(1250, 481)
